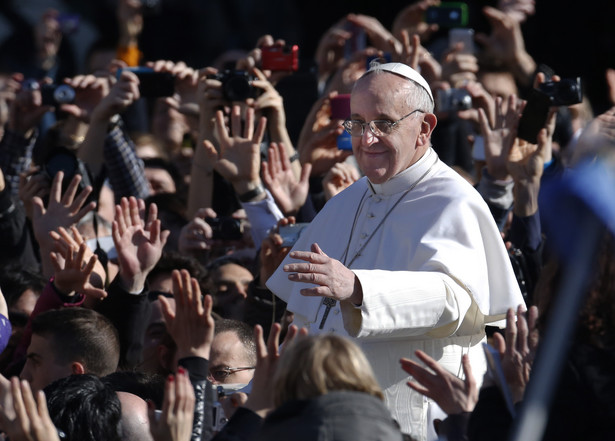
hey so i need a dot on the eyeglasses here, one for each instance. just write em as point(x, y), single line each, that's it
point(378, 127)
point(220, 374)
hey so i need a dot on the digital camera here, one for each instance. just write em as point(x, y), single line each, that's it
point(225, 228)
point(280, 58)
point(453, 100)
point(563, 93)
point(236, 85)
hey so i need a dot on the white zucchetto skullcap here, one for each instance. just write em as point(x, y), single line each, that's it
point(405, 71)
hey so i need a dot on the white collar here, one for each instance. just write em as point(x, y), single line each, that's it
point(406, 178)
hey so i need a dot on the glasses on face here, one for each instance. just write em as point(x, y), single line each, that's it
point(220, 374)
point(379, 127)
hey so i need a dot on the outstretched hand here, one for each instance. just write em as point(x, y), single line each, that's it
point(31, 417)
point(267, 357)
point(191, 324)
point(518, 349)
point(452, 394)
point(138, 243)
point(177, 415)
point(289, 192)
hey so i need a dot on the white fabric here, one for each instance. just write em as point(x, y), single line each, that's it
point(432, 276)
point(405, 71)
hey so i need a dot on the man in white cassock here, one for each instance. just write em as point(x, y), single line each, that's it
point(407, 258)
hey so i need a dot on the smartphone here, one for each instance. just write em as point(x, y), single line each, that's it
point(357, 42)
point(448, 15)
point(290, 233)
point(280, 58)
point(462, 35)
point(152, 84)
point(69, 23)
point(340, 106)
point(534, 116)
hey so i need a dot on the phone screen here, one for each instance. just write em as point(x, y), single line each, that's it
point(448, 14)
point(462, 35)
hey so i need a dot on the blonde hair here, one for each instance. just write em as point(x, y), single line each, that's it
point(316, 365)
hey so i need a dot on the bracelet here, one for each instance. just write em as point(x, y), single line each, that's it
point(248, 196)
point(294, 157)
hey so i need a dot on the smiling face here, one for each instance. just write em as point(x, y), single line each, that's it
point(384, 96)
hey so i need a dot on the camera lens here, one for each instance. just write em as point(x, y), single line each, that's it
point(64, 94)
point(237, 87)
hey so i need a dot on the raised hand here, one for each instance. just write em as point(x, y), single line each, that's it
point(379, 36)
point(452, 394)
point(71, 243)
point(26, 109)
point(123, 93)
point(334, 280)
point(518, 350)
point(191, 324)
point(239, 157)
point(175, 421)
point(267, 357)
point(31, 417)
point(341, 176)
point(289, 192)
point(197, 234)
point(138, 243)
point(72, 274)
point(500, 139)
point(89, 91)
point(63, 210)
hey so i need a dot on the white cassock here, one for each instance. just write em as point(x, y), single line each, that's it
point(433, 269)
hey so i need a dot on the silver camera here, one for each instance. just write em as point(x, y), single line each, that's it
point(453, 100)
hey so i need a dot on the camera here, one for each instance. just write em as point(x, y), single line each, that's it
point(453, 100)
point(280, 58)
point(236, 85)
point(225, 228)
point(54, 95)
point(563, 93)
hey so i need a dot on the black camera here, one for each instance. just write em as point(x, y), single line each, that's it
point(54, 94)
point(236, 84)
point(453, 100)
point(563, 93)
point(225, 228)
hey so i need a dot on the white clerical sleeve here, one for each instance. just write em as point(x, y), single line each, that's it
point(406, 304)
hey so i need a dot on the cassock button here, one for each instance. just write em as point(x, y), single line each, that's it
point(332, 329)
point(363, 235)
point(336, 311)
point(371, 215)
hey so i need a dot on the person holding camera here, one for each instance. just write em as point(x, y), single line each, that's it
point(409, 257)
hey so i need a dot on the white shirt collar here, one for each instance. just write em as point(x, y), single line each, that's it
point(404, 179)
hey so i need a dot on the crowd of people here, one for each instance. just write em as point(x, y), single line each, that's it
point(180, 262)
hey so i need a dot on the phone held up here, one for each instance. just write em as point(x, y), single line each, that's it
point(340, 109)
point(152, 84)
point(448, 15)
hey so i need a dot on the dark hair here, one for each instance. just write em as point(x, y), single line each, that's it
point(145, 386)
point(84, 408)
point(171, 169)
point(170, 261)
point(14, 280)
point(244, 333)
point(83, 335)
